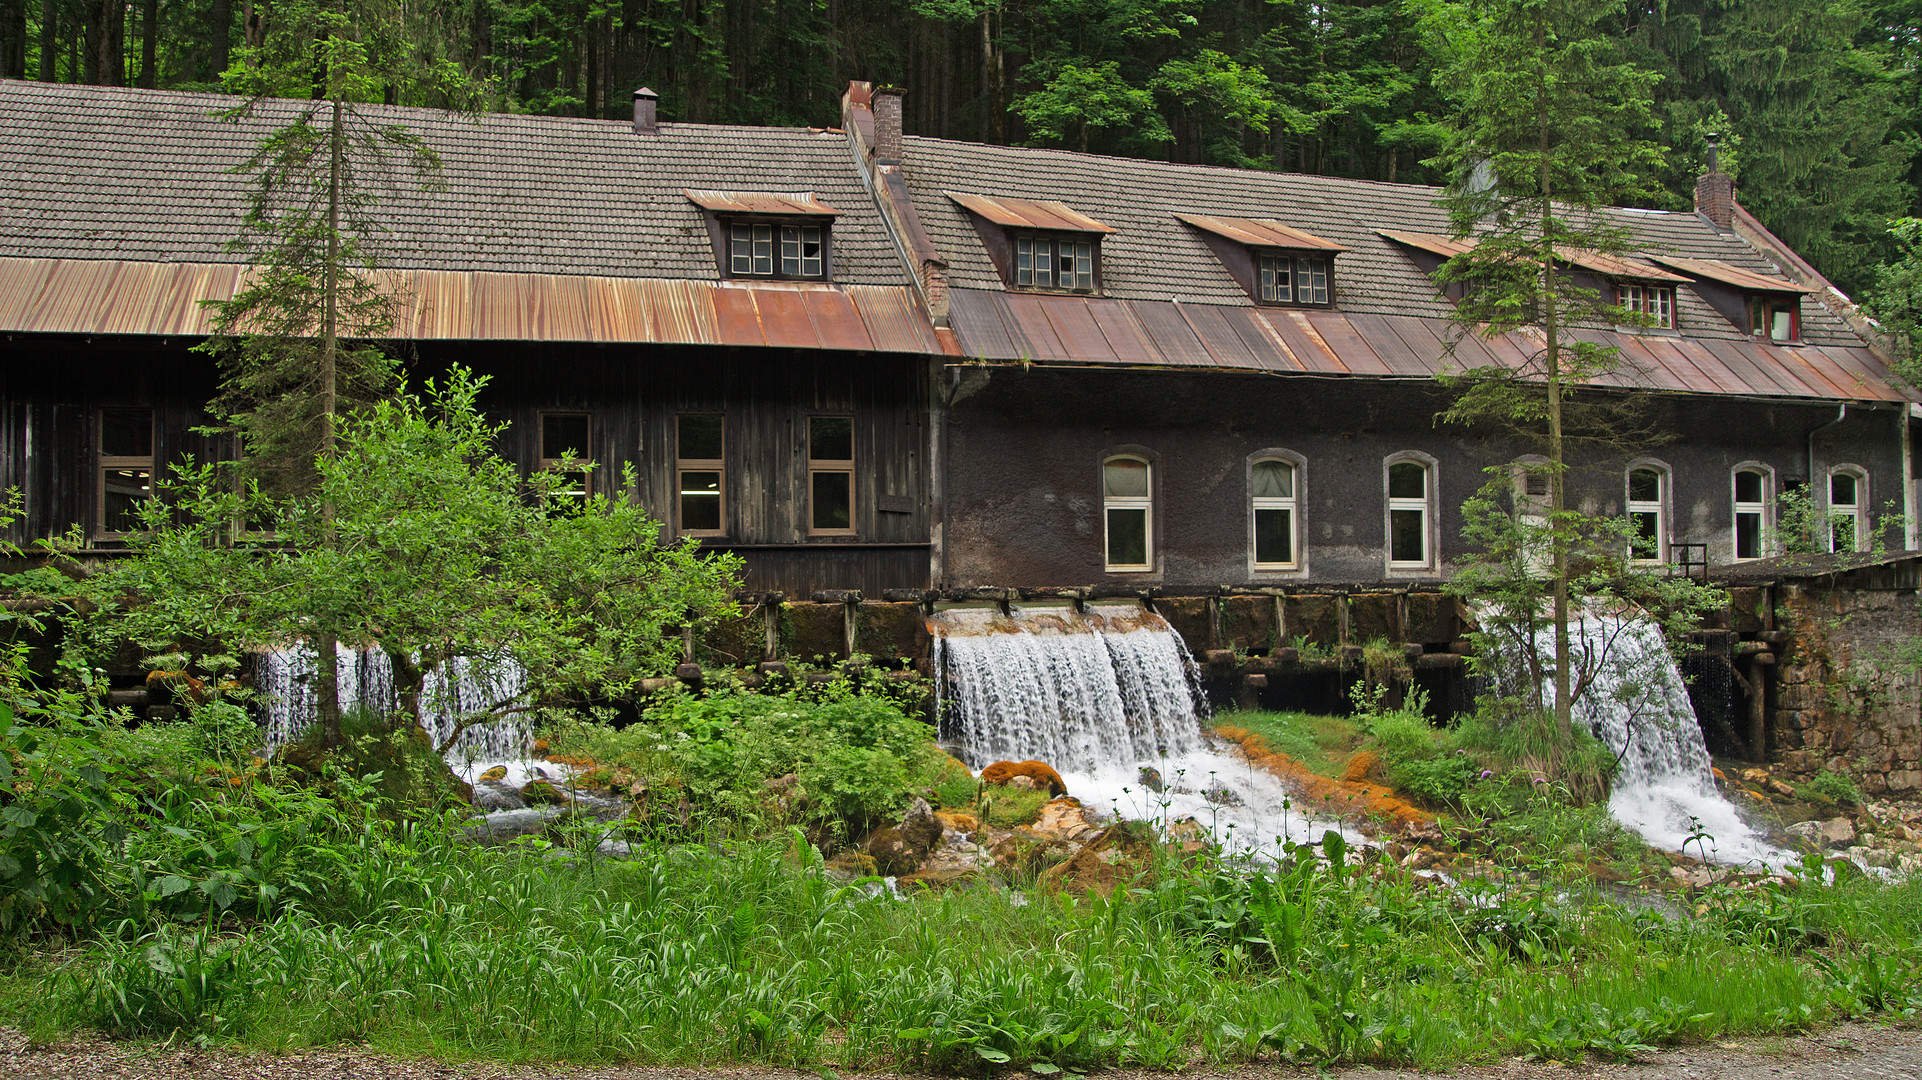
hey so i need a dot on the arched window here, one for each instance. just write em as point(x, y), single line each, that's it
point(1273, 489)
point(1648, 513)
point(1754, 494)
point(1128, 506)
point(1410, 479)
point(1848, 495)
point(1530, 493)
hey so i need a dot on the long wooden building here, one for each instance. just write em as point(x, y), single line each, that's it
point(875, 362)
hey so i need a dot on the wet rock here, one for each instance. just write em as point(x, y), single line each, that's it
point(1110, 860)
point(1782, 789)
point(1043, 775)
point(938, 879)
point(1837, 832)
point(542, 792)
point(958, 823)
point(1810, 831)
point(507, 825)
point(1063, 819)
point(919, 827)
point(1151, 779)
point(1021, 853)
point(1020, 783)
point(498, 772)
point(852, 864)
point(490, 797)
point(900, 849)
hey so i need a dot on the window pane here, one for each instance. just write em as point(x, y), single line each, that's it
point(764, 249)
point(831, 438)
point(1084, 265)
point(1044, 263)
point(1068, 278)
point(1647, 538)
point(1406, 536)
point(811, 252)
point(1274, 536)
point(791, 251)
point(1024, 262)
point(1748, 536)
point(832, 500)
point(126, 433)
point(1127, 537)
point(1274, 278)
point(700, 438)
point(701, 501)
point(741, 248)
point(1311, 281)
point(126, 489)
point(1274, 480)
point(1125, 478)
point(1842, 490)
point(1748, 487)
point(1407, 480)
point(1644, 485)
point(563, 433)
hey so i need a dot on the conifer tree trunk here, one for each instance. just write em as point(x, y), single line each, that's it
point(326, 665)
point(1557, 492)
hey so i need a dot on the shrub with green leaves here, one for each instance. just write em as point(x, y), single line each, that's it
point(1827, 786)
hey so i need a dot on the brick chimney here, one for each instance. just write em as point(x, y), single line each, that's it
point(645, 101)
point(887, 125)
point(1715, 192)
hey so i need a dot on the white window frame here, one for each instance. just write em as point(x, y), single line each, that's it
point(1855, 512)
point(1655, 301)
point(763, 249)
point(1763, 512)
point(1144, 503)
point(1283, 278)
point(1426, 505)
point(1659, 506)
point(1033, 250)
point(1531, 509)
point(1292, 504)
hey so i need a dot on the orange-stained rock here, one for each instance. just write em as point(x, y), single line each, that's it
point(956, 821)
point(1043, 775)
point(1361, 765)
point(1344, 797)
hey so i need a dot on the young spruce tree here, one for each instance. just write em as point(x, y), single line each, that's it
point(299, 344)
point(1543, 139)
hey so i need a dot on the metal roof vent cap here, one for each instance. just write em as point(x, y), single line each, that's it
point(645, 103)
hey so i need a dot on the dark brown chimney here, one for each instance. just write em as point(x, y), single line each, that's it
point(887, 125)
point(1715, 192)
point(644, 103)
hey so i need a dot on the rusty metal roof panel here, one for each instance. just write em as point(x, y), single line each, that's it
point(1173, 337)
point(736, 320)
point(782, 317)
point(1259, 339)
point(1733, 373)
point(1717, 270)
point(1400, 358)
point(1265, 321)
point(1127, 340)
point(1034, 334)
point(1029, 213)
point(1305, 342)
point(1446, 246)
point(1075, 328)
point(1771, 376)
point(1423, 336)
point(1823, 368)
point(777, 203)
point(1657, 361)
point(1261, 232)
point(894, 319)
point(1355, 352)
point(1608, 265)
point(978, 319)
point(837, 324)
point(1218, 337)
point(1875, 380)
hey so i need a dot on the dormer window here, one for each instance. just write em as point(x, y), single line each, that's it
point(1293, 279)
point(1276, 263)
point(769, 235)
point(1766, 307)
point(1655, 302)
point(1046, 262)
point(1038, 246)
point(1777, 318)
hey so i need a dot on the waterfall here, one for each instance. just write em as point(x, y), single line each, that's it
point(284, 679)
point(1637, 704)
point(1111, 699)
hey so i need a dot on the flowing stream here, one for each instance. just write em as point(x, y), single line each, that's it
point(1110, 699)
point(285, 681)
point(1638, 705)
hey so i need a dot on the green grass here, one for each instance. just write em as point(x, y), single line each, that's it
point(1320, 743)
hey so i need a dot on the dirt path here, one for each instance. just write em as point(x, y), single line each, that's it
point(1867, 1051)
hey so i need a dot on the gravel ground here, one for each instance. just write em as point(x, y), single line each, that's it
point(1866, 1051)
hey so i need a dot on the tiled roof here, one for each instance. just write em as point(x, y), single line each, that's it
point(1153, 256)
point(142, 175)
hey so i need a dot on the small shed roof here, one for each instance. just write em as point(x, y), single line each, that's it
point(1029, 213)
point(1260, 232)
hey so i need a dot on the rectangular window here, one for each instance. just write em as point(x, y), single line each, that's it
point(700, 452)
point(751, 249)
point(801, 251)
point(1272, 489)
point(1648, 539)
point(1311, 281)
point(1657, 302)
point(1407, 515)
point(1277, 284)
point(1293, 279)
point(831, 475)
point(1751, 513)
point(1045, 263)
point(1127, 505)
point(126, 465)
point(566, 445)
point(1845, 512)
point(1776, 318)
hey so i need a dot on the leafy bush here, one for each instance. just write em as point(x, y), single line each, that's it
point(1437, 781)
point(1509, 737)
point(1827, 786)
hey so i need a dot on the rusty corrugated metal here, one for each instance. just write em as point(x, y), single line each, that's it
point(1029, 213)
point(800, 203)
point(1260, 232)
point(1614, 266)
point(1718, 270)
point(53, 296)
point(1446, 246)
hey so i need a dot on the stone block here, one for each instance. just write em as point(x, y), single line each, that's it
point(1190, 618)
point(1312, 617)
point(810, 630)
point(1905, 780)
point(1431, 619)
point(738, 642)
point(1248, 622)
point(891, 631)
point(1373, 616)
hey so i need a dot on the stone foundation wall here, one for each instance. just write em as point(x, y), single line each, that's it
point(1844, 699)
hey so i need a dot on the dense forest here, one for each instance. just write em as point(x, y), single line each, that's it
point(1817, 101)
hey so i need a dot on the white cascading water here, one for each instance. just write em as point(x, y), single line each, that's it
point(1638, 705)
point(1100, 696)
point(284, 680)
